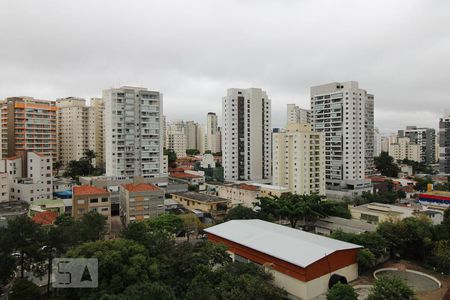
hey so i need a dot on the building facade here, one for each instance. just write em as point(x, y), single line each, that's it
point(76, 129)
point(133, 136)
point(299, 159)
point(444, 144)
point(377, 143)
point(301, 263)
point(246, 136)
point(344, 113)
point(140, 201)
point(98, 105)
point(212, 133)
point(296, 114)
point(403, 148)
point(29, 176)
point(4, 186)
point(28, 125)
point(88, 198)
point(425, 138)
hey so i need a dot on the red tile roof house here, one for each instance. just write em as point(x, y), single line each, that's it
point(45, 218)
point(302, 263)
point(88, 198)
point(189, 178)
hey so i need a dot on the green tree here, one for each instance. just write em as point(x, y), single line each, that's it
point(409, 238)
point(336, 209)
point(24, 290)
point(92, 226)
point(166, 222)
point(122, 263)
point(234, 281)
point(341, 291)
point(7, 261)
point(292, 207)
point(386, 165)
point(241, 213)
point(441, 256)
point(27, 238)
point(57, 165)
point(89, 156)
point(191, 224)
point(171, 157)
point(144, 290)
point(192, 152)
point(391, 288)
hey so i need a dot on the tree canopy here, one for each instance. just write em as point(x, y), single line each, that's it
point(386, 165)
point(390, 288)
point(341, 291)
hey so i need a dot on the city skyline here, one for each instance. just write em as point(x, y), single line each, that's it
point(403, 59)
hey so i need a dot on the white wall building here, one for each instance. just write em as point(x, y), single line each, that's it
point(29, 178)
point(133, 135)
point(402, 148)
point(377, 142)
point(296, 114)
point(246, 136)
point(340, 111)
point(299, 159)
point(4, 186)
point(212, 133)
point(76, 129)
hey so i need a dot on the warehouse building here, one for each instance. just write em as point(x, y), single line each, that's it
point(302, 263)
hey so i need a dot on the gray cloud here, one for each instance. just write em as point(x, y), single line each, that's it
point(192, 51)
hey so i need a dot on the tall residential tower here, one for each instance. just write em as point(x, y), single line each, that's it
point(133, 136)
point(246, 136)
point(344, 113)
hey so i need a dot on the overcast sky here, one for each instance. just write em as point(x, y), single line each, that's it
point(192, 51)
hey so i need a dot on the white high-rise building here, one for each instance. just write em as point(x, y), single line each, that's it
point(76, 129)
point(299, 159)
point(98, 106)
point(377, 142)
point(403, 148)
point(246, 135)
point(133, 135)
point(212, 133)
point(342, 112)
point(297, 115)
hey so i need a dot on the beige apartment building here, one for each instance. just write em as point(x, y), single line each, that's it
point(299, 159)
point(98, 106)
point(216, 206)
point(402, 148)
point(76, 129)
point(239, 194)
point(27, 125)
point(88, 198)
point(140, 201)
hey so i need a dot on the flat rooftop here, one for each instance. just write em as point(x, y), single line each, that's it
point(389, 209)
point(200, 197)
point(346, 225)
point(12, 208)
point(291, 245)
